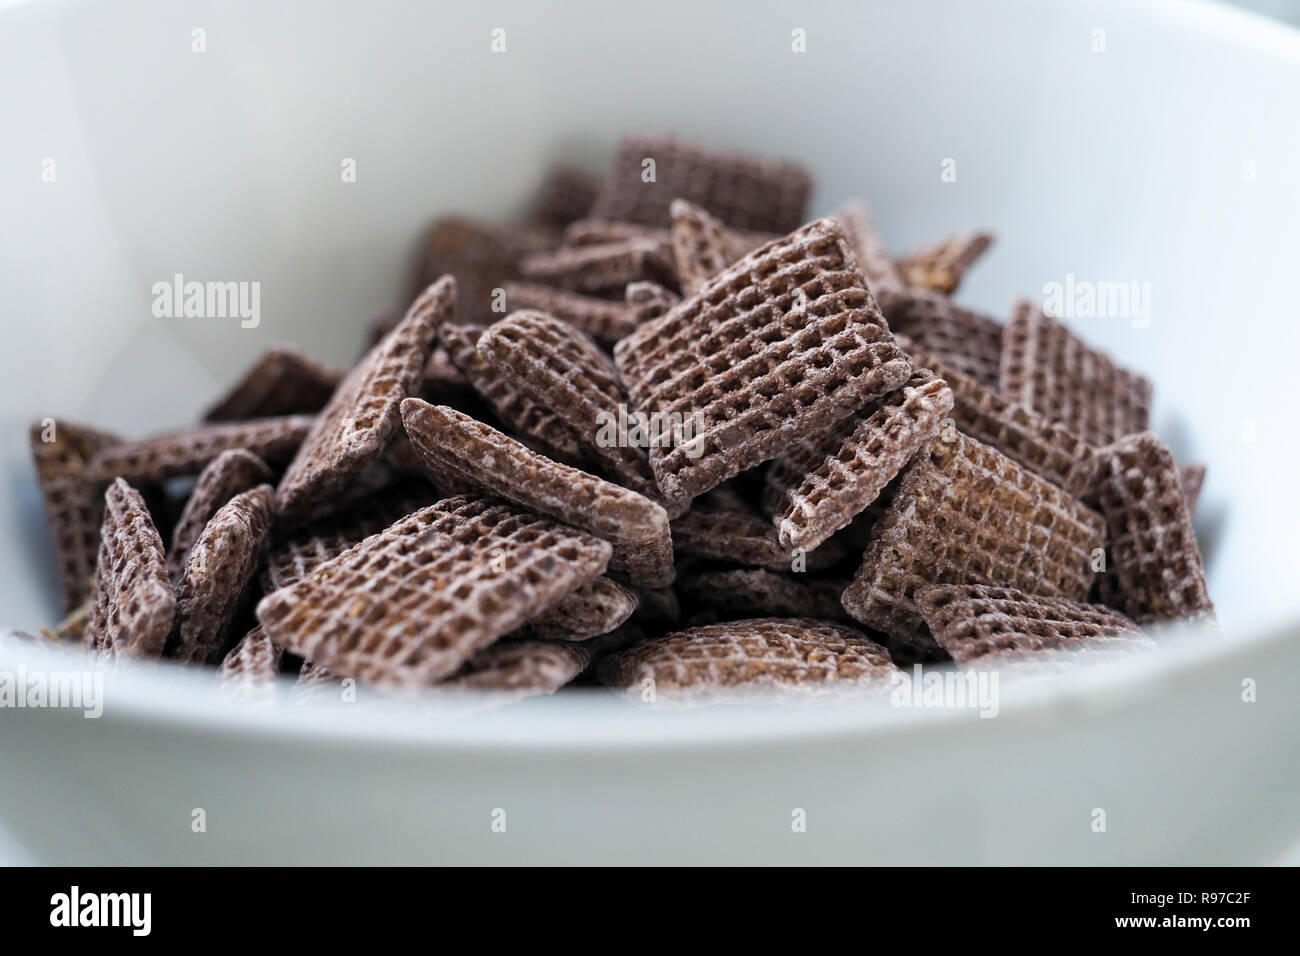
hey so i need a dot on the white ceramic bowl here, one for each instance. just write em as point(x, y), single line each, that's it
point(1167, 158)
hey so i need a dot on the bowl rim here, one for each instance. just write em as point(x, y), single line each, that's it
point(582, 721)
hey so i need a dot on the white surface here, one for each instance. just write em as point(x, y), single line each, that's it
point(1124, 165)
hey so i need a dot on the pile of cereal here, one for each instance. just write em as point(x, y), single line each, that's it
point(667, 435)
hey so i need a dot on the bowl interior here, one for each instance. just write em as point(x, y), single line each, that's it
point(1102, 142)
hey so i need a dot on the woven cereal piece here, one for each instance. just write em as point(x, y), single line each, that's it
point(744, 192)
point(767, 656)
point(743, 536)
point(534, 424)
point(217, 571)
point(1191, 477)
point(977, 621)
point(450, 442)
point(603, 320)
point(72, 628)
point(74, 502)
point(411, 604)
point(294, 557)
point(565, 195)
point(648, 300)
point(645, 564)
point(441, 372)
point(361, 418)
point(868, 247)
point(315, 683)
point(966, 514)
point(229, 474)
point(1045, 447)
point(1155, 568)
point(743, 592)
point(133, 601)
point(596, 608)
point(482, 257)
point(819, 486)
point(941, 265)
point(781, 344)
point(602, 267)
point(562, 370)
point(253, 663)
point(702, 245)
point(522, 668)
point(597, 232)
point(1046, 368)
point(283, 381)
point(454, 450)
point(188, 452)
point(964, 340)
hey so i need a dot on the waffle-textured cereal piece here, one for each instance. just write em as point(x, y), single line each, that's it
point(1045, 367)
point(448, 441)
point(941, 265)
point(702, 245)
point(253, 663)
point(229, 474)
point(1045, 447)
point(294, 557)
point(133, 601)
point(456, 451)
point(603, 320)
point(645, 564)
point(566, 194)
point(409, 605)
point(598, 232)
point(1155, 568)
point(966, 514)
point(283, 381)
point(440, 371)
point(315, 683)
point(217, 572)
point(742, 592)
point(189, 451)
point(744, 192)
point(520, 668)
point(1191, 477)
point(782, 343)
point(563, 371)
point(72, 629)
point(401, 457)
point(873, 257)
point(602, 267)
point(778, 656)
point(648, 300)
point(534, 424)
point(823, 482)
point(596, 608)
point(963, 339)
point(361, 418)
point(74, 502)
point(743, 536)
point(482, 257)
point(974, 621)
